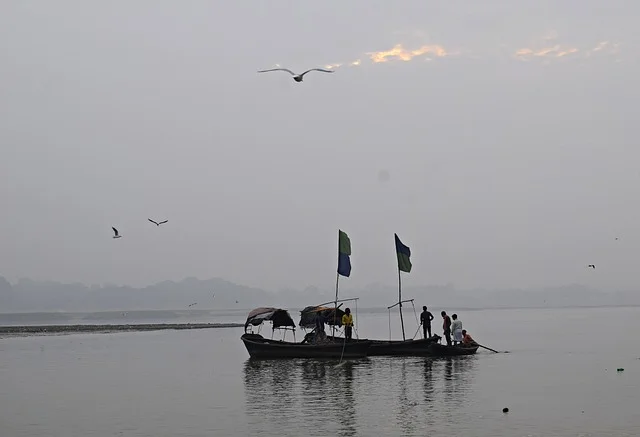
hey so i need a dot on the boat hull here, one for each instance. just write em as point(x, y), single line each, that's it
point(422, 347)
point(398, 348)
point(442, 350)
point(263, 348)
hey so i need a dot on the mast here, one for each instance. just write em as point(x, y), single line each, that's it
point(344, 269)
point(400, 302)
point(404, 265)
point(335, 307)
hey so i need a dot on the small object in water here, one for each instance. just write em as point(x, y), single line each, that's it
point(620, 369)
point(505, 410)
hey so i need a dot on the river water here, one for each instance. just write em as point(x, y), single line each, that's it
point(559, 378)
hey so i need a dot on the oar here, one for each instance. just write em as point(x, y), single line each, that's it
point(488, 348)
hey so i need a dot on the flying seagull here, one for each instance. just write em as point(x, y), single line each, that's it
point(115, 231)
point(195, 303)
point(296, 77)
point(592, 266)
point(156, 223)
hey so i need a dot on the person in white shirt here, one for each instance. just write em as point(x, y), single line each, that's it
point(456, 329)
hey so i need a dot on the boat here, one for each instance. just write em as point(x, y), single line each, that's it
point(264, 348)
point(443, 350)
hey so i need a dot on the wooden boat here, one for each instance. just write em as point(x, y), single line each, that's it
point(443, 350)
point(407, 348)
point(260, 347)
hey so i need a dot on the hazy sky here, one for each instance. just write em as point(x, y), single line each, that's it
point(507, 130)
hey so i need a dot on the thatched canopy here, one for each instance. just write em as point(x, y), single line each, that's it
point(309, 314)
point(277, 316)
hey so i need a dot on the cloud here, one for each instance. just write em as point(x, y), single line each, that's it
point(547, 52)
point(399, 53)
point(556, 51)
point(548, 48)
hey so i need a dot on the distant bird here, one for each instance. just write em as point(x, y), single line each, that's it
point(115, 231)
point(236, 301)
point(296, 77)
point(195, 303)
point(617, 238)
point(156, 223)
point(592, 266)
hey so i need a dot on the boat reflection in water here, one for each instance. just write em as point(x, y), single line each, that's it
point(282, 394)
point(356, 397)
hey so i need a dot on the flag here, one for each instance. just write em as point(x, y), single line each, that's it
point(344, 251)
point(404, 255)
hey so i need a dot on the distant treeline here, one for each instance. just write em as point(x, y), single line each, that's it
point(29, 296)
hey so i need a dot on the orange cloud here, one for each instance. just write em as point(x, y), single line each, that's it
point(550, 52)
point(400, 53)
point(548, 49)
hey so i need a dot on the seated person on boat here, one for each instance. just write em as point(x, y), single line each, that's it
point(466, 339)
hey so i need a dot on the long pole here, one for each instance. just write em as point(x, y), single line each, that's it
point(335, 307)
point(400, 302)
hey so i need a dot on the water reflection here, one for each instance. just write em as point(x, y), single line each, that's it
point(428, 383)
point(287, 395)
point(458, 379)
point(408, 407)
point(346, 401)
point(318, 394)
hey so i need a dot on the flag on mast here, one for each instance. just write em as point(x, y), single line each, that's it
point(404, 255)
point(344, 251)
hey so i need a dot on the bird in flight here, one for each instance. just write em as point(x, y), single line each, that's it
point(195, 303)
point(296, 77)
point(592, 266)
point(115, 231)
point(158, 223)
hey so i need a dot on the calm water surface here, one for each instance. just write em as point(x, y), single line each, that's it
point(559, 379)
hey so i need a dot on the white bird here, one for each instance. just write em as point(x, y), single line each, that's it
point(115, 231)
point(296, 77)
point(156, 223)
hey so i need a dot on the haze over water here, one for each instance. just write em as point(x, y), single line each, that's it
point(201, 383)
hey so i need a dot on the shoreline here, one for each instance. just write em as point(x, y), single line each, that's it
point(58, 329)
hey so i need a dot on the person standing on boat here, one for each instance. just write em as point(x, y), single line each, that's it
point(425, 320)
point(456, 328)
point(446, 327)
point(347, 322)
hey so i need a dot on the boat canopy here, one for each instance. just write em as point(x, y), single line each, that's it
point(309, 314)
point(278, 317)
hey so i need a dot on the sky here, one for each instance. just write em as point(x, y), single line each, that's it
point(497, 139)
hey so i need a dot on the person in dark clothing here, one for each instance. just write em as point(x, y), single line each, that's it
point(320, 335)
point(425, 320)
point(446, 327)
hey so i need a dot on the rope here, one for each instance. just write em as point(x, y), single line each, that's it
point(415, 314)
point(356, 326)
point(344, 343)
point(414, 335)
point(389, 311)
